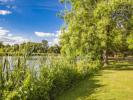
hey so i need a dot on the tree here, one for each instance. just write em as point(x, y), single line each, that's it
point(130, 41)
point(96, 27)
point(45, 45)
point(114, 24)
point(54, 49)
point(1, 45)
point(75, 38)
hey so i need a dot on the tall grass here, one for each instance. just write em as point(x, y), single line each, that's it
point(52, 78)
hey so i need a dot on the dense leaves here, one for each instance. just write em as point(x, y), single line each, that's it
point(97, 28)
point(43, 83)
point(29, 48)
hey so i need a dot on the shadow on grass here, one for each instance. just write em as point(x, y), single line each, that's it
point(119, 66)
point(83, 89)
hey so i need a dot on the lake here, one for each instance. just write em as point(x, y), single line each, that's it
point(33, 61)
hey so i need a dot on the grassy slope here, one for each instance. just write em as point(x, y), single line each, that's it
point(107, 85)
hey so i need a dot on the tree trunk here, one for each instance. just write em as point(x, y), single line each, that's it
point(105, 57)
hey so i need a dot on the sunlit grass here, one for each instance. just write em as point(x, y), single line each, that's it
point(107, 85)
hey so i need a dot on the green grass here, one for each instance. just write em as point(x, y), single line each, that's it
point(106, 85)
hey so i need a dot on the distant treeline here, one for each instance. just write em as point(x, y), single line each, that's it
point(30, 48)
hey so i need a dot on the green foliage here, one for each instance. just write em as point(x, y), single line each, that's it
point(130, 41)
point(54, 49)
point(53, 78)
point(57, 77)
point(28, 48)
point(96, 27)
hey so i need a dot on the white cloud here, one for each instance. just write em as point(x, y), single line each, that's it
point(48, 35)
point(6, 0)
point(5, 12)
point(55, 41)
point(43, 34)
point(10, 35)
point(7, 38)
point(11, 7)
point(13, 40)
point(3, 31)
point(7, 4)
point(58, 33)
point(53, 38)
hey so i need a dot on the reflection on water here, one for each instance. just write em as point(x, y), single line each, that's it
point(34, 61)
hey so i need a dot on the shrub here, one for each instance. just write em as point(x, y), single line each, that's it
point(52, 78)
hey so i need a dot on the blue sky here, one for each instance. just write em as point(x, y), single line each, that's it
point(29, 20)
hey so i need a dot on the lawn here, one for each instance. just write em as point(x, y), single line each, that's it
point(108, 84)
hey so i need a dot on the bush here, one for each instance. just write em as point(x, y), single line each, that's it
point(61, 75)
point(52, 79)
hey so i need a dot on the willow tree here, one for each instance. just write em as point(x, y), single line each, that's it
point(94, 27)
point(79, 37)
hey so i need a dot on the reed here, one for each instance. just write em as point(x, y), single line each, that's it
point(24, 82)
